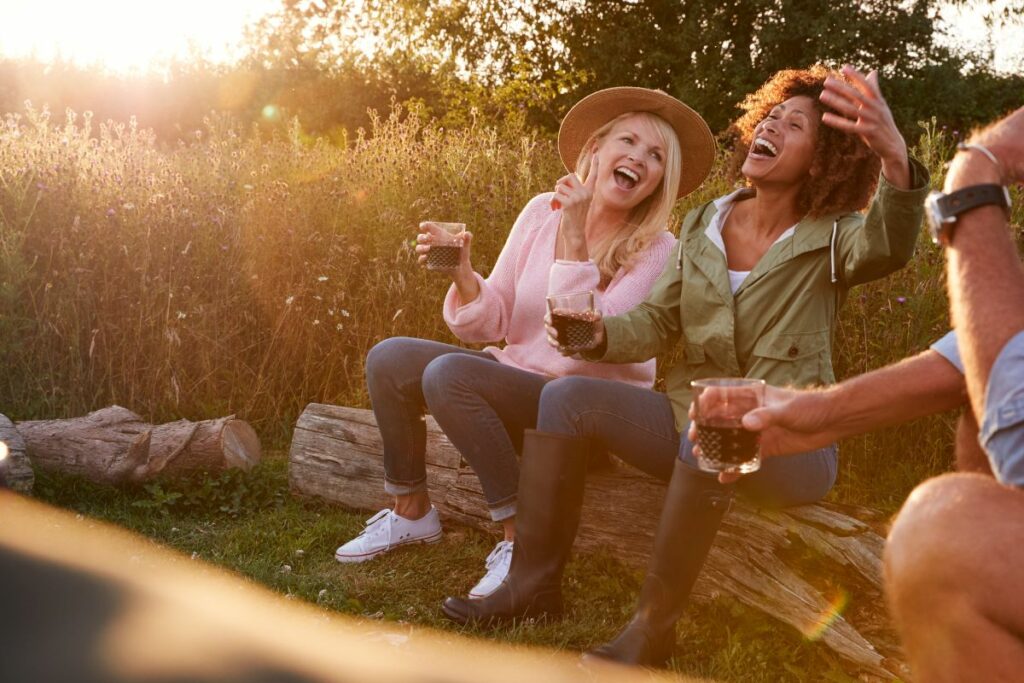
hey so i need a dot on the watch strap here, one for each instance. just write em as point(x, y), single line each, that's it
point(961, 201)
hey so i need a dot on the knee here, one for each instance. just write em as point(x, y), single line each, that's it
point(385, 356)
point(932, 551)
point(442, 374)
point(560, 401)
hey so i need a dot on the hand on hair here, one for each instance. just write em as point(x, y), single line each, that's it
point(862, 111)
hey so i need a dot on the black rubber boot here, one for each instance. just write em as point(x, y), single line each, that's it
point(551, 479)
point(693, 510)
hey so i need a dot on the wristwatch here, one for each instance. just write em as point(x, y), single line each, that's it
point(944, 209)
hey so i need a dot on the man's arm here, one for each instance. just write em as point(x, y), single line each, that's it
point(796, 421)
point(986, 281)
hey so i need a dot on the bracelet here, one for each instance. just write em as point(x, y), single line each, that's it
point(966, 147)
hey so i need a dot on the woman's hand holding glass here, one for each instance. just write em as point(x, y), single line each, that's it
point(598, 338)
point(450, 237)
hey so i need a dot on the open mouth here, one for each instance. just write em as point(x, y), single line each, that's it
point(626, 178)
point(764, 148)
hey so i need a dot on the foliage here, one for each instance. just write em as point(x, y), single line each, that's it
point(227, 275)
point(546, 53)
point(230, 275)
point(329, 63)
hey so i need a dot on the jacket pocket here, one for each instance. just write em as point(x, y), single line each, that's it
point(792, 346)
point(694, 354)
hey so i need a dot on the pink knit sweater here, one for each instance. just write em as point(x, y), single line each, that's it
point(512, 300)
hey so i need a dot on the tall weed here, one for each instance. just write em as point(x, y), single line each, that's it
point(229, 274)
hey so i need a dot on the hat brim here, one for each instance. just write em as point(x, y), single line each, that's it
point(696, 142)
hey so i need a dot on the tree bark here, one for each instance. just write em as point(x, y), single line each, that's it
point(114, 445)
point(815, 567)
point(15, 471)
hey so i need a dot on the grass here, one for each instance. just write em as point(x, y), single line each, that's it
point(234, 274)
point(251, 525)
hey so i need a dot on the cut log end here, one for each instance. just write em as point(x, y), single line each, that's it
point(241, 445)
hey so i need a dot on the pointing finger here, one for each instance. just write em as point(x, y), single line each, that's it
point(592, 175)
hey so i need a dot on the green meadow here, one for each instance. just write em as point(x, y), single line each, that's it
point(233, 272)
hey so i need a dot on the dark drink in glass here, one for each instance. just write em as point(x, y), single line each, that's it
point(576, 329)
point(574, 319)
point(719, 407)
point(445, 245)
point(445, 257)
point(726, 445)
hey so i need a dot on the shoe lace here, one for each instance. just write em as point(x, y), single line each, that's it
point(379, 524)
point(502, 553)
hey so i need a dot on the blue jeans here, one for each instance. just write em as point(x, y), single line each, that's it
point(638, 426)
point(482, 405)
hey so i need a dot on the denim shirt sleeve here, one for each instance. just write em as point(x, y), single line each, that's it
point(1002, 429)
point(948, 348)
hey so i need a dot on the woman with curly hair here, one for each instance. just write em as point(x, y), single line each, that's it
point(753, 291)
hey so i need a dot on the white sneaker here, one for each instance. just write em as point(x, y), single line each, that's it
point(497, 569)
point(386, 530)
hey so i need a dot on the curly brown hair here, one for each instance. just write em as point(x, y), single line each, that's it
point(844, 173)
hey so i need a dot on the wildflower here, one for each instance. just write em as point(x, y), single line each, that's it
point(128, 206)
point(901, 299)
point(289, 300)
point(111, 212)
point(182, 315)
point(322, 278)
point(247, 186)
point(346, 314)
point(338, 327)
point(316, 321)
point(285, 569)
point(321, 595)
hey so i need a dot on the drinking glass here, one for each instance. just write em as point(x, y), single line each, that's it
point(445, 246)
point(575, 320)
point(719, 407)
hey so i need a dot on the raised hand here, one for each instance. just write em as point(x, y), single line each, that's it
point(574, 198)
point(861, 110)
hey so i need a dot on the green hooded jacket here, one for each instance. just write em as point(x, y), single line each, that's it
point(778, 325)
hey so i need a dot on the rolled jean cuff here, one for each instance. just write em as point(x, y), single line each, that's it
point(402, 488)
point(503, 511)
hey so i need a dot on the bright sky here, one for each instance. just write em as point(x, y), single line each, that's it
point(125, 35)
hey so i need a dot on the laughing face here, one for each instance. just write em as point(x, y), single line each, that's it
point(782, 149)
point(632, 163)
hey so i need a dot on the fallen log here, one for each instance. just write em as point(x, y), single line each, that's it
point(114, 445)
point(815, 567)
point(15, 471)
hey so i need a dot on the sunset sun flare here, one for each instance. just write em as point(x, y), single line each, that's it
point(122, 35)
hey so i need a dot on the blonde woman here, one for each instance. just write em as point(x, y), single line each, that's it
point(633, 152)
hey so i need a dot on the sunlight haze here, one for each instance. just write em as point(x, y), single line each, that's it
point(125, 35)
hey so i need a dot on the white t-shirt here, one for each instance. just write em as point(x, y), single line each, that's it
point(714, 232)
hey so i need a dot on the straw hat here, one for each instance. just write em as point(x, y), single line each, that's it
point(595, 110)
